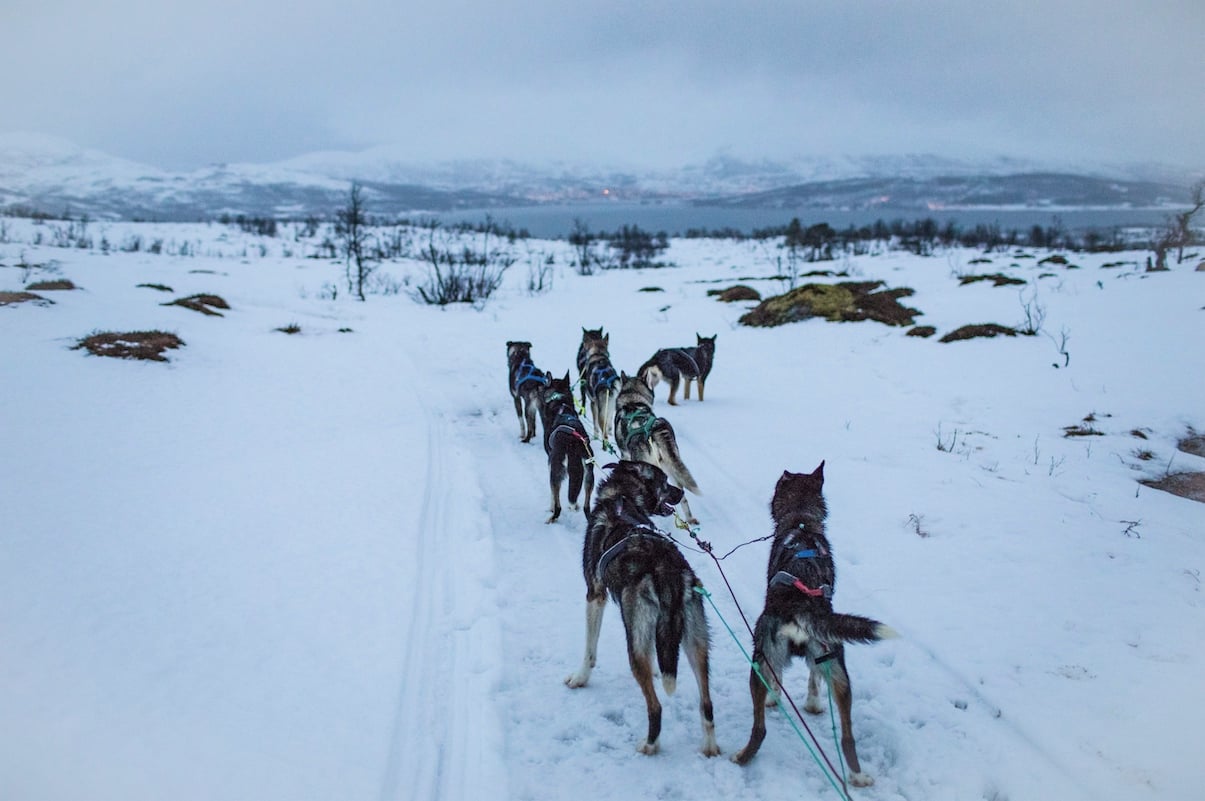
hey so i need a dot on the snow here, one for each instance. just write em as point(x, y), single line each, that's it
point(315, 566)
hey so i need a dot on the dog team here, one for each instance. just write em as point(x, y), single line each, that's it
point(627, 557)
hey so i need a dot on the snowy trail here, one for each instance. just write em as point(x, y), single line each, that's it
point(444, 742)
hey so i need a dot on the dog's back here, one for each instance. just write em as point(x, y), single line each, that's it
point(599, 382)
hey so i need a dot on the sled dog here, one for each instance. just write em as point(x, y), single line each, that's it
point(798, 619)
point(680, 365)
point(526, 384)
point(644, 437)
point(599, 380)
point(625, 555)
point(566, 443)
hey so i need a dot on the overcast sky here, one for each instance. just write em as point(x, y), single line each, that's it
point(650, 83)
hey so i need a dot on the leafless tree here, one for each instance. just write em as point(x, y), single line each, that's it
point(1178, 233)
point(351, 231)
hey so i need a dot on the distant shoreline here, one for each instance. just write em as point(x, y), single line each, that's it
point(678, 217)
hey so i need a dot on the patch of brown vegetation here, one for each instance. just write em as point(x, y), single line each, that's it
point(15, 298)
point(735, 293)
point(997, 279)
point(61, 283)
point(202, 303)
point(849, 301)
point(979, 330)
point(1194, 443)
point(160, 287)
point(923, 331)
point(1185, 485)
point(145, 345)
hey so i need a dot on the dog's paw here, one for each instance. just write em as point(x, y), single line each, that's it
point(576, 680)
point(861, 779)
point(552, 518)
point(771, 701)
point(710, 749)
point(812, 706)
point(740, 758)
point(648, 749)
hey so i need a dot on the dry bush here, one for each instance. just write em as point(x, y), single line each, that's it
point(15, 298)
point(202, 303)
point(145, 345)
point(735, 293)
point(61, 283)
point(979, 330)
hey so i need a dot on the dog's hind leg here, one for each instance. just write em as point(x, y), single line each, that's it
point(700, 388)
point(770, 657)
point(640, 609)
point(596, 604)
point(588, 469)
point(522, 423)
point(843, 695)
point(696, 644)
point(556, 475)
point(529, 417)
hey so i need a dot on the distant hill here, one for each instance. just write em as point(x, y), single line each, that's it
point(55, 176)
point(1025, 190)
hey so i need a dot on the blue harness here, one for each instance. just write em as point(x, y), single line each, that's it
point(639, 528)
point(602, 375)
point(527, 372)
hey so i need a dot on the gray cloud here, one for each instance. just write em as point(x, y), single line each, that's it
point(618, 82)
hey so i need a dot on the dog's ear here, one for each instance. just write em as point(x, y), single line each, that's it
point(623, 376)
point(606, 339)
point(819, 471)
point(566, 376)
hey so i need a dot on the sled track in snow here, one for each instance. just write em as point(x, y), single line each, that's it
point(416, 707)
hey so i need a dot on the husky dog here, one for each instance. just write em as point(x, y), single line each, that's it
point(624, 554)
point(589, 336)
point(674, 365)
point(598, 379)
point(645, 437)
point(566, 443)
point(526, 382)
point(798, 619)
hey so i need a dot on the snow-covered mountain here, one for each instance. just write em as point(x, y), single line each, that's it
point(55, 176)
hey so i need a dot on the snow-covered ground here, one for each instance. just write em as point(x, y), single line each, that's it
point(315, 566)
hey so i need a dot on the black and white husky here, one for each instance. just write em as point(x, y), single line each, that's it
point(680, 365)
point(566, 443)
point(626, 556)
point(526, 383)
point(798, 619)
point(599, 380)
point(644, 437)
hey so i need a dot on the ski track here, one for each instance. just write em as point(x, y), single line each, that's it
point(444, 735)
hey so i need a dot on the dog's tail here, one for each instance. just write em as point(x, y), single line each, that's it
point(839, 627)
point(650, 373)
point(663, 439)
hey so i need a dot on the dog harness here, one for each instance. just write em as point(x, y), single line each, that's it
point(638, 422)
point(527, 372)
point(601, 375)
point(639, 528)
point(693, 361)
point(783, 578)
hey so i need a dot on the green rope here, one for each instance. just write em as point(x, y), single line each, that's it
point(757, 670)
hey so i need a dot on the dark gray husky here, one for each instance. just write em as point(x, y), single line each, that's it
point(680, 365)
point(625, 555)
point(566, 443)
point(798, 619)
point(598, 379)
point(526, 384)
point(645, 437)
